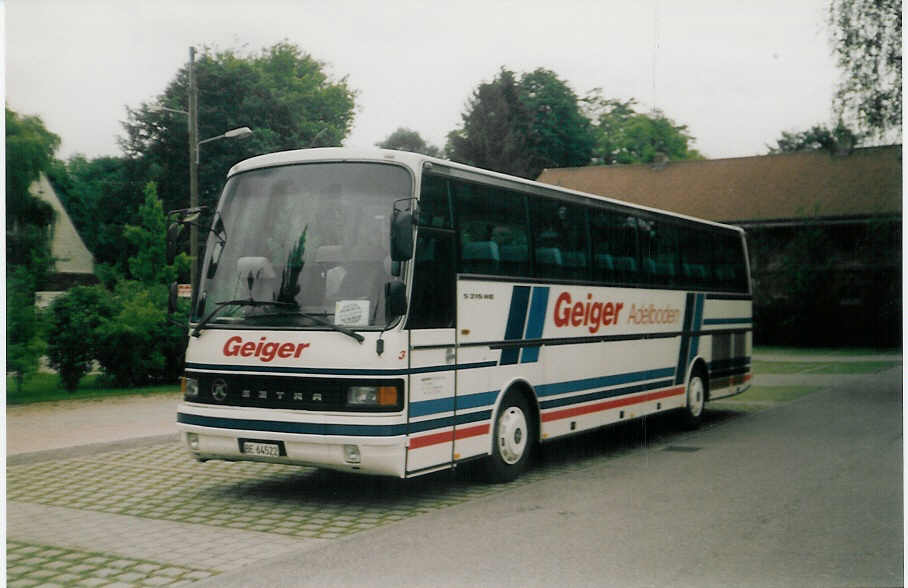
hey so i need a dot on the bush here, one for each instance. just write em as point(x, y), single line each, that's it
point(136, 345)
point(24, 343)
point(74, 321)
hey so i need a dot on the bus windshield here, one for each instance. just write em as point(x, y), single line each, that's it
point(302, 246)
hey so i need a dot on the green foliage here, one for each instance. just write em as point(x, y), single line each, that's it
point(126, 330)
point(148, 264)
point(74, 321)
point(560, 135)
point(29, 152)
point(867, 40)
point(404, 139)
point(127, 342)
point(522, 126)
point(840, 140)
point(24, 343)
point(101, 197)
point(625, 136)
point(282, 93)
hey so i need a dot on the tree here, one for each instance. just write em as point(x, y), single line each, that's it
point(839, 140)
point(522, 126)
point(74, 319)
point(136, 344)
point(101, 196)
point(624, 135)
point(560, 135)
point(404, 139)
point(148, 239)
point(282, 93)
point(30, 150)
point(24, 344)
point(867, 42)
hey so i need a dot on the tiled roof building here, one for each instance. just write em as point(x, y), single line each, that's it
point(824, 232)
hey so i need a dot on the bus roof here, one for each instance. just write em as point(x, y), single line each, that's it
point(415, 162)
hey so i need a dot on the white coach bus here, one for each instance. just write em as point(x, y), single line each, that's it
point(395, 314)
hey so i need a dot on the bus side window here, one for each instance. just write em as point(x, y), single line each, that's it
point(491, 225)
point(659, 252)
point(730, 271)
point(434, 281)
point(696, 257)
point(434, 203)
point(559, 239)
point(614, 241)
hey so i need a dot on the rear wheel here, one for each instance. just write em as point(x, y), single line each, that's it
point(513, 438)
point(696, 400)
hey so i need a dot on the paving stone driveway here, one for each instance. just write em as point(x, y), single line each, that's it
point(151, 516)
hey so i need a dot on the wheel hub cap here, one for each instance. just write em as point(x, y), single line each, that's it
point(512, 438)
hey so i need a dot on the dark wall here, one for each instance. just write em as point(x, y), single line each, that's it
point(828, 284)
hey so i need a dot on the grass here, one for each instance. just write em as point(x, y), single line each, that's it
point(47, 388)
point(763, 397)
point(821, 367)
point(832, 352)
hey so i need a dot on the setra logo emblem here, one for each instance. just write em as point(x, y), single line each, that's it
point(219, 390)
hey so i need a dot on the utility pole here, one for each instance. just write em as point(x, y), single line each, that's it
point(193, 173)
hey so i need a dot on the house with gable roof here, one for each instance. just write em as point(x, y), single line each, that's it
point(74, 264)
point(824, 233)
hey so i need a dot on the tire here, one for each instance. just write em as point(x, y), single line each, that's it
point(695, 400)
point(513, 439)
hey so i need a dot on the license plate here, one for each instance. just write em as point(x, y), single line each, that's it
point(263, 449)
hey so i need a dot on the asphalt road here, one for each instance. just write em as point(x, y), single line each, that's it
point(804, 494)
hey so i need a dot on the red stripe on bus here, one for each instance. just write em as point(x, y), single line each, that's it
point(570, 412)
point(448, 436)
point(472, 431)
point(433, 439)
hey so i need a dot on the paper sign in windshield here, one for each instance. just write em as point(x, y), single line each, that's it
point(351, 313)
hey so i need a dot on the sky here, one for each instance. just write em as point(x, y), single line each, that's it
point(736, 72)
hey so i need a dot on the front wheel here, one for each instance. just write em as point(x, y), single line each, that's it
point(513, 438)
point(696, 401)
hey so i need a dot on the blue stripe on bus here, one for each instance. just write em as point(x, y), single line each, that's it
point(336, 372)
point(602, 381)
point(604, 394)
point(517, 315)
point(683, 352)
point(695, 327)
point(730, 362)
point(476, 400)
point(427, 407)
point(535, 323)
point(292, 427)
point(728, 321)
point(449, 421)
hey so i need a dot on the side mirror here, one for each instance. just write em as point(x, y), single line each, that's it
point(395, 300)
point(173, 233)
point(181, 218)
point(172, 299)
point(401, 235)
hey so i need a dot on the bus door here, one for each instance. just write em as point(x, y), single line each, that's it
point(433, 352)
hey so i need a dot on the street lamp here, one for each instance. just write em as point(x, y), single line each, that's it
point(193, 122)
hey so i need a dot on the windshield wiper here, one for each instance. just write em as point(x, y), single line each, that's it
point(289, 305)
point(218, 306)
point(316, 318)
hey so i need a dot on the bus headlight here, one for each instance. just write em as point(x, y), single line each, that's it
point(380, 396)
point(190, 388)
